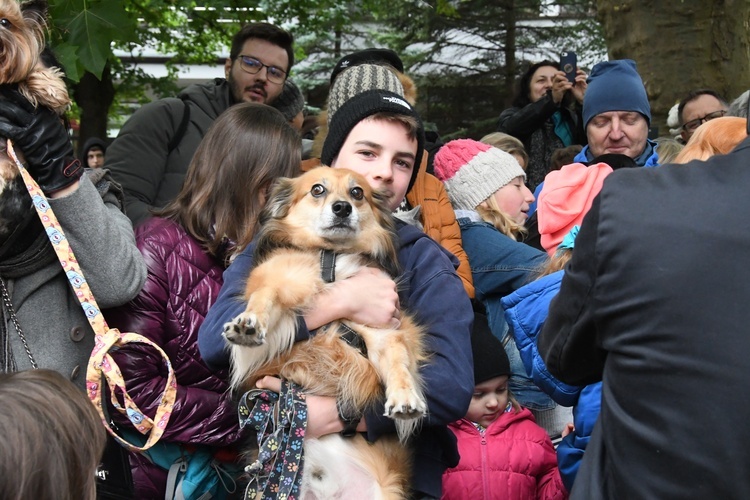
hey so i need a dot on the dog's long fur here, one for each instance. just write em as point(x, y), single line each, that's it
point(332, 209)
point(22, 28)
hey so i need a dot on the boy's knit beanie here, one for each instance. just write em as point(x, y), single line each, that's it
point(472, 171)
point(565, 199)
point(368, 56)
point(291, 101)
point(615, 86)
point(490, 359)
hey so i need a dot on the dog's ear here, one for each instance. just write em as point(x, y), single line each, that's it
point(277, 205)
point(35, 10)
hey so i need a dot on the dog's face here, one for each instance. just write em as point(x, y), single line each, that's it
point(329, 208)
point(21, 38)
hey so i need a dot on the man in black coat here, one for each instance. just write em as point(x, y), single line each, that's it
point(154, 148)
point(656, 303)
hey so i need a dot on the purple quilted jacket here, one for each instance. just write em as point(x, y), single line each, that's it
point(183, 282)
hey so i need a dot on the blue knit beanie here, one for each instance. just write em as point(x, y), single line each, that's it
point(615, 86)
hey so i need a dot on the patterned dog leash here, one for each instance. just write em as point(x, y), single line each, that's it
point(101, 367)
point(280, 421)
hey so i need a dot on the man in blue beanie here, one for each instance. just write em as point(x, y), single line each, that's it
point(616, 114)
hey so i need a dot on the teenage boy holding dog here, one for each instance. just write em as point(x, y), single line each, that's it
point(379, 135)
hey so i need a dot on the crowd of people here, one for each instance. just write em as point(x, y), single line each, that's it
point(579, 283)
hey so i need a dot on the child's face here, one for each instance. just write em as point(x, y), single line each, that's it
point(383, 153)
point(95, 158)
point(489, 401)
point(514, 199)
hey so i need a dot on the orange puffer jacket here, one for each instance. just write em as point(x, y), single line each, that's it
point(437, 216)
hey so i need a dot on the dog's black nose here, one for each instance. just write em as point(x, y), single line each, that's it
point(341, 208)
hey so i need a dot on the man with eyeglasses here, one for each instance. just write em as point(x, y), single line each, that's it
point(698, 107)
point(153, 150)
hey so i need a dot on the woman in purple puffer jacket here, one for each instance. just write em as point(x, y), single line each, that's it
point(186, 247)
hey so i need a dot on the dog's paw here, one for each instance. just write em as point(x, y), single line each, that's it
point(245, 330)
point(404, 404)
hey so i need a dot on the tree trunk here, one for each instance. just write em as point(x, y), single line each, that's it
point(94, 97)
point(510, 53)
point(680, 46)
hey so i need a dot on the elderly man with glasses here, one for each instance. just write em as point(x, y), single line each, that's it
point(698, 107)
point(151, 154)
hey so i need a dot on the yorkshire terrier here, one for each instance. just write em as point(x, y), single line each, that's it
point(22, 38)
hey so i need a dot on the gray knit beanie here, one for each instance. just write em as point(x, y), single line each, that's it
point(359, 79)
point(291, 101)
point(472, 171)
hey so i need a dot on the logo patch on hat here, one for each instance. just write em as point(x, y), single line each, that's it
point(396, 100)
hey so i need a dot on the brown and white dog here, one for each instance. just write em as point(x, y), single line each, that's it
point(336, 210)
point(22, 28)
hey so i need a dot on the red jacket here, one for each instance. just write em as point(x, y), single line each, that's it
point(512, 459)
point(183, 282)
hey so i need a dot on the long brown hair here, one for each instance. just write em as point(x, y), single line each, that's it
point(52, 438)
point(247, 148)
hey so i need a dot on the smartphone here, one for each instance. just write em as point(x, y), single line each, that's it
point(569, 64)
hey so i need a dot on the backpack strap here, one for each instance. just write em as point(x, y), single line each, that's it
point(178, 468)
point(181, 128)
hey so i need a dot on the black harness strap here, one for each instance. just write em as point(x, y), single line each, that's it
point(328, 273)
point(328, 265)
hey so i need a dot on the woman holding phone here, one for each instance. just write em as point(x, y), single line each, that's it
point(546, 114)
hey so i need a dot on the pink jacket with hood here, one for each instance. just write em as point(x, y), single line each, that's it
point(512, 459)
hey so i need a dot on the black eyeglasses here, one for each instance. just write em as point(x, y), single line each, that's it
point(694, 124)
point(253, 66)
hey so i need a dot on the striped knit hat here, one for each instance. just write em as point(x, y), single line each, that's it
point(359, 79)
point(472, 171)
point(367, 56)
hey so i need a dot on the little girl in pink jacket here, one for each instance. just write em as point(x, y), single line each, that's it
point(504, 453)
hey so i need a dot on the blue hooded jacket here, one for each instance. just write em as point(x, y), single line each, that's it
point(649, 157)
point(431, 290)
point(526, 311)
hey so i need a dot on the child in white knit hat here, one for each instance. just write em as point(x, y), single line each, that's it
point(486, 188)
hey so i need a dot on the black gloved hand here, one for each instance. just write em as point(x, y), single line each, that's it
point(42, 138)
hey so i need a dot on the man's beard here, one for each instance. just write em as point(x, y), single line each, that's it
point(237, 90)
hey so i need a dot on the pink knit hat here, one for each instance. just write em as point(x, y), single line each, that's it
point(472, 171)
point(565, 199)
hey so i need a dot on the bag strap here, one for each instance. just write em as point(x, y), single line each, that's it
point(101, 367)
point(181, 129)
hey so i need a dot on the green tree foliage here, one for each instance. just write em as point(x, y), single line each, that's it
point(466, 55)
point(86, 33)
point(462, 53)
